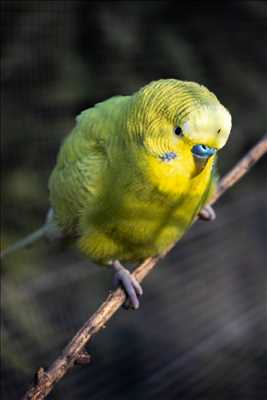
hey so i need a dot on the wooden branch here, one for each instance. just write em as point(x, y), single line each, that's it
point(74, 352)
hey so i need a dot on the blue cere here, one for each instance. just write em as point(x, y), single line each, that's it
point(170, 155)
point(200, 150)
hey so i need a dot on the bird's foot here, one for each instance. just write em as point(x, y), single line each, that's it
point(129, 283)
point(207, 213)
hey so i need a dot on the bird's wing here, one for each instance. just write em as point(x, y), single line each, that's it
point(73, 181)
point(83, 160)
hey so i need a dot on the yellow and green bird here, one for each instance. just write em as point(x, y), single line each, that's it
point(135, 171)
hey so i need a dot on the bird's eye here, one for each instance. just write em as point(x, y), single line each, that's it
point(178, 131)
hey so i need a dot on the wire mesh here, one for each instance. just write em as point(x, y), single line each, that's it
point(201, 330)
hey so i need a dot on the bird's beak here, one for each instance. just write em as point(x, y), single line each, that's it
point(201, 154)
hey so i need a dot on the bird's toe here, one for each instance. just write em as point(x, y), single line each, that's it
point(131, 286)
point(207, 213)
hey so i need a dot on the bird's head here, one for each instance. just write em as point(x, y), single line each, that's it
point(180, 123)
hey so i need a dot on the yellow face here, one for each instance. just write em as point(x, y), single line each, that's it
point(190, 131)
point(181, 124)
point(202, 133)
point(188, 144)
point(209, 125)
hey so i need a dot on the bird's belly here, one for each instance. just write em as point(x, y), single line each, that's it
point(139, 229)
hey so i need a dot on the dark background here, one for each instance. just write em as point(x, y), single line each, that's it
point(201, 331)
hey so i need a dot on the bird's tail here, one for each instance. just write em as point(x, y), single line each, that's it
point(25, 242)
point(49, 230)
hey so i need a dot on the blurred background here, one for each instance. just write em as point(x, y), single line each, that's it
point(201, 331)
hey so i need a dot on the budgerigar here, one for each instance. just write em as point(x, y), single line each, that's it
point(135, 171)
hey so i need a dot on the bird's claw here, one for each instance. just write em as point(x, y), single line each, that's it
point(207, 213)
point(131, 286)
